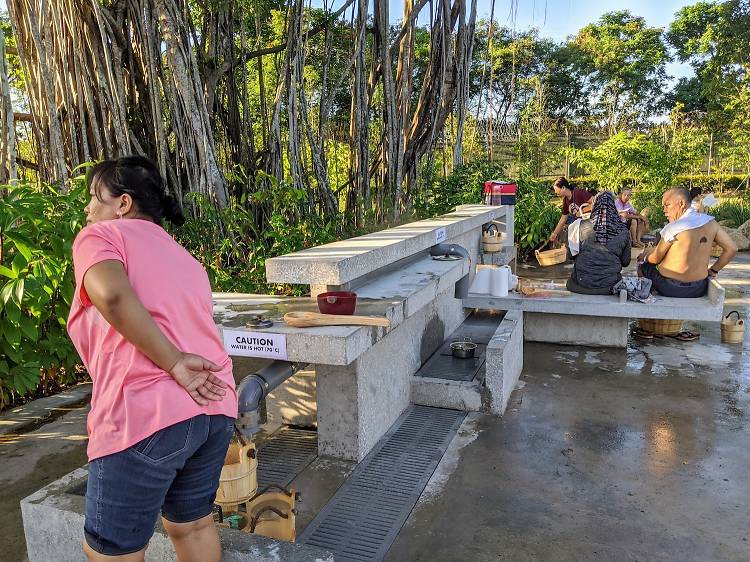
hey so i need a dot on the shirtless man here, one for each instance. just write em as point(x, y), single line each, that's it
point(678, 265)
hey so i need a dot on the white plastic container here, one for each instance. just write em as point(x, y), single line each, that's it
point(482, 281)
point(500, 281)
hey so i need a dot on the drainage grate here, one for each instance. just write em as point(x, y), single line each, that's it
point(286, 454)
point(362, 520)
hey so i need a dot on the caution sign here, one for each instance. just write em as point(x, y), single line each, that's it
point(255, 344)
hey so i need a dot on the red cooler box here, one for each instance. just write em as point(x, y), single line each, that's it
point(499, 193)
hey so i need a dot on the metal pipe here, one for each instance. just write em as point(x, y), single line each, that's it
point(252, 391)
point(463, 284)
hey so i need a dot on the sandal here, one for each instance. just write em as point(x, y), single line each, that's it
point(686, 335)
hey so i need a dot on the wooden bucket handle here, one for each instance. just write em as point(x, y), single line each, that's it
point(739, 319)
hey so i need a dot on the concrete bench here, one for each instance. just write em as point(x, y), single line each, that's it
point(597, 320)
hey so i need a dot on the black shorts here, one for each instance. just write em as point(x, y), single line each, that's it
point(671, 287)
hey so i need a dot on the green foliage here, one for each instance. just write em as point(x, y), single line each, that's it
point(624, 157)
point(702, 183)
point(535, 131)
point(536, 214)
point(626, 61)
point(646, 165)
point(713, 37)
point(735, 210)
point(37, 227)
point(461, 187)
point(232, 247)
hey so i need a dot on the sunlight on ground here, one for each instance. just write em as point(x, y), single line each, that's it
point(13, 438)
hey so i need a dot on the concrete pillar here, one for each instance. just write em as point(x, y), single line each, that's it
point(504, 362)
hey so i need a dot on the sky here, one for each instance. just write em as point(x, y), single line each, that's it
point(559, 19)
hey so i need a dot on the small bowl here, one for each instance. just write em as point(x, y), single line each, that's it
point(337, 302)
point(463, 349)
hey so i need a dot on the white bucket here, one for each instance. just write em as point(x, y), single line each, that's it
point(482, 280)
point(500, 281)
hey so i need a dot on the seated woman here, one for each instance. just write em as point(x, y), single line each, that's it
point(604, 249)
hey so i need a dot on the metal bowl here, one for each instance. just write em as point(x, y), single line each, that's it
point(463, 349)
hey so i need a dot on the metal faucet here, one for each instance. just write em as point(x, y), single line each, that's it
point(463, 284)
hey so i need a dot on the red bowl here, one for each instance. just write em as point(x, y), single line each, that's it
point(337, 302)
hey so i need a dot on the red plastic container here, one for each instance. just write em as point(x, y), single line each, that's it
point(337, 302)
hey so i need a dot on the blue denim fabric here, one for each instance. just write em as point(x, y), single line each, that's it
point(671, 287)
point(176, 471)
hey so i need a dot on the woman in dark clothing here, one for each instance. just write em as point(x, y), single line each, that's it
point(604, 249)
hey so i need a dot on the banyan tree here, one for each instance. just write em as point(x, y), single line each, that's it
point(230, 95)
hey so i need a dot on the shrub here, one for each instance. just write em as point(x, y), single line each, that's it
point(234, 252)
point(735, 210)
point(536, 214)
point(37, 227)
point(462, 187)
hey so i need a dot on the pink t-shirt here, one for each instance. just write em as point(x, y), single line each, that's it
point(133, 398)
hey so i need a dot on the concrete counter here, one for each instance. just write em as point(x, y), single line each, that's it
point(397, 295)
point(341, 262)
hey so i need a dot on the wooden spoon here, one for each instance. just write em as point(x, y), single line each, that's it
point(309, 319)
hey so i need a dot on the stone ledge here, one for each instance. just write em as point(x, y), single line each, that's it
point(344, 261)
point(36, 411)
point(504, 362)
point(53, 525)
point(396, 295)
point(442, 393)
point(708, 308)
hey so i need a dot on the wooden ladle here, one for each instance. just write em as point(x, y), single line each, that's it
point(309, 319)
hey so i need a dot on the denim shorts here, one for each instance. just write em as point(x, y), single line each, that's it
point(175, 471)
point(672, 287)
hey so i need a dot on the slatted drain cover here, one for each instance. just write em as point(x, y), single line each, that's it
point(286, 454)
point(363, 518)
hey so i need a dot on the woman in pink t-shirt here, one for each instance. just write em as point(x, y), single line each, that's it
point(163, 400)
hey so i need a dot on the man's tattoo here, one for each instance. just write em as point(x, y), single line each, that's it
point(703, 240)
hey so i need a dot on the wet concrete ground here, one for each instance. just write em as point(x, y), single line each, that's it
point(29, 461)
point(637, 454)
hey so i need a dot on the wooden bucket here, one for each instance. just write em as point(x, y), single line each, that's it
point(661, 327)
point(491, 244)
point(239, 480)
point(551, 257)
point(491, 240)
point(716, 251)
point(732, 331)
point(272, 514)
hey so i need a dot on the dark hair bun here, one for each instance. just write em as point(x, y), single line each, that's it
point(139, 177)
point(172, 210)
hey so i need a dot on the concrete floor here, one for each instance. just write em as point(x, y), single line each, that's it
point(637, 454)
point(29, 461)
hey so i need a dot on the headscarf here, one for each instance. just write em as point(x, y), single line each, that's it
point(606, 220)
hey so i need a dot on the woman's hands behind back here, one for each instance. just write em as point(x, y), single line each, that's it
point(196, 375)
